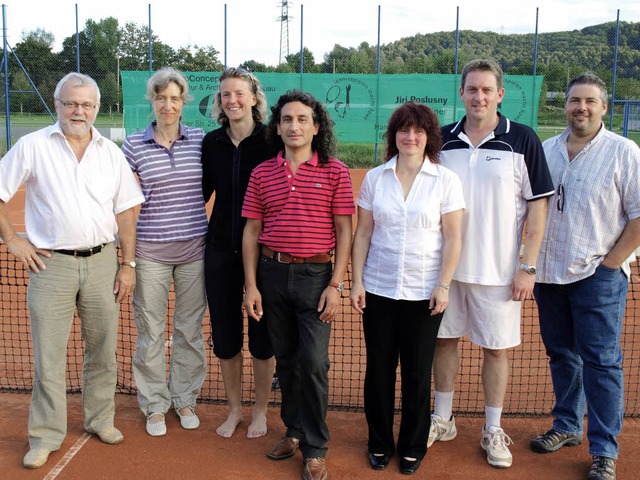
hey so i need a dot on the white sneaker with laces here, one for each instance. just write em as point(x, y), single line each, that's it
point(441, 430)
point(496, 443)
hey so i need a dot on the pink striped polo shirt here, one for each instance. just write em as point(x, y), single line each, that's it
point(297, 210)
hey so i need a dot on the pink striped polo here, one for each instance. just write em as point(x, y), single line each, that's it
point(297, 210)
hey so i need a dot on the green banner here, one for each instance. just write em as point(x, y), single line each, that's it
point(360, 105)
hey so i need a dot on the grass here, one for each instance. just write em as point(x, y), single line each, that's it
point(42, 120)
point(355, 155)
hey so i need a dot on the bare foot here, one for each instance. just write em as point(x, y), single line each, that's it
point(227, 429)
point(258, 427)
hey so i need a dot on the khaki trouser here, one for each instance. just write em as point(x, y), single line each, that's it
point(188, 365)
point(53, 294)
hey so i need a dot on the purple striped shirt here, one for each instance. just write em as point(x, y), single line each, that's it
point(171, 181)
point(297, 210)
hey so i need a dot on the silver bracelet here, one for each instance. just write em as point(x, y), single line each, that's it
point(444, 285)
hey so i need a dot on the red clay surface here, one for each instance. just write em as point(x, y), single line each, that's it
point(200, 454)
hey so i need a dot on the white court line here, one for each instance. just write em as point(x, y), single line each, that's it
point(64, 461)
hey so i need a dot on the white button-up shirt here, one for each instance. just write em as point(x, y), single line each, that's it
point(70, 204)
point(405, 255)
point(600, 193)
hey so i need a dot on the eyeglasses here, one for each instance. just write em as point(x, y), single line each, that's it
point(560, 193)
point(72, 106)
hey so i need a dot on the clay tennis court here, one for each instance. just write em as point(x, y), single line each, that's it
point(203, 454)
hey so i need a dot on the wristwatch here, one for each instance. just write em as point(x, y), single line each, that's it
point(337, 286)
point(530, 269)
point(131, 264)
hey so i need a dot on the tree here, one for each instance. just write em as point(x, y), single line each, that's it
point(309, 66)
point(253, 66)
point(198, 59)
point(35, 53)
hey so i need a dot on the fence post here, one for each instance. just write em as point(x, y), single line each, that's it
point(77, 42)
point(615, 70)
point(455, 66)
point(378, 87)
point(535, 68)
point(150, 42)
point(5, 62)
point(301, 37)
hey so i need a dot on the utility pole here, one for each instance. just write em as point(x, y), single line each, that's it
point(284, 30)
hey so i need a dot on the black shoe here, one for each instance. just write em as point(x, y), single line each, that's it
point(409, 467)
point(379, 462)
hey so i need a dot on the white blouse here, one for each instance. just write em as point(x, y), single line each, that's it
point(405, 255)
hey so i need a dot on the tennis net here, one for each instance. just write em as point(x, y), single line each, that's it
point(529, 393)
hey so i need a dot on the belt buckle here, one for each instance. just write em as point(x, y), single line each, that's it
point(278, 257)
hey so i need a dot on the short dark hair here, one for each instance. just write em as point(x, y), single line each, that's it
point(413, 114)
point(324, 142)
point(483, 65)
point(589, 78)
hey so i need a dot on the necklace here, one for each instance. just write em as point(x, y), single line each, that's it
point(164, 137)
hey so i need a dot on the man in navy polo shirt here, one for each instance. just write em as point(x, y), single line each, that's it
point(506, 182)
point(298, 208)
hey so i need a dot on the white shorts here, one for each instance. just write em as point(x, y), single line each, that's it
point(487, 313)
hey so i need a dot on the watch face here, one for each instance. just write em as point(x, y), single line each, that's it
point(531, 270)
point(340, 287)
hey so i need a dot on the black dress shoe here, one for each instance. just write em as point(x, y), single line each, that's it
point(379, 462)
point(409, 467)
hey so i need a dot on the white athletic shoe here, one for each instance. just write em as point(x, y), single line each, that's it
point(441, 430)
point(496, 443)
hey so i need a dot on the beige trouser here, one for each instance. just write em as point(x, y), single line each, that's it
point(53, 294)
point(188, 362)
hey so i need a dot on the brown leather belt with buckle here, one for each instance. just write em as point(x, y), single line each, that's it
point(287, 258)
point(83, 253)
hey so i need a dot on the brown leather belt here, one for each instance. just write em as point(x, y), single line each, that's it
point(287, 258)
point(83, 253)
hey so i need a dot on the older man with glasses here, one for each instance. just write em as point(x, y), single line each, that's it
point(81, 196)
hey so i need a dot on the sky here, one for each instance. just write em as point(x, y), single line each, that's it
point(253, 31)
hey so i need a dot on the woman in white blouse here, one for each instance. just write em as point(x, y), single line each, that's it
point(405, 250)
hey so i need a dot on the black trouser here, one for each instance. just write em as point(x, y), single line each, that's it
point(406, 330)
point(290, 296)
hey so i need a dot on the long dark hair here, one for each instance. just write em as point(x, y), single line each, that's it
point(324, 142)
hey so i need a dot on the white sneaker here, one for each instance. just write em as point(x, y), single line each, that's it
point(189, 421)
point(156, 429)
point(496, 443)
point(441, 430)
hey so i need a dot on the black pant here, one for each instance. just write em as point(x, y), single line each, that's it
point(224, 281)
point(406, 330)
point(290, 296)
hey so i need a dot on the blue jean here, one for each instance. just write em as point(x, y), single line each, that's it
point(290, 296)
point(581, 325)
